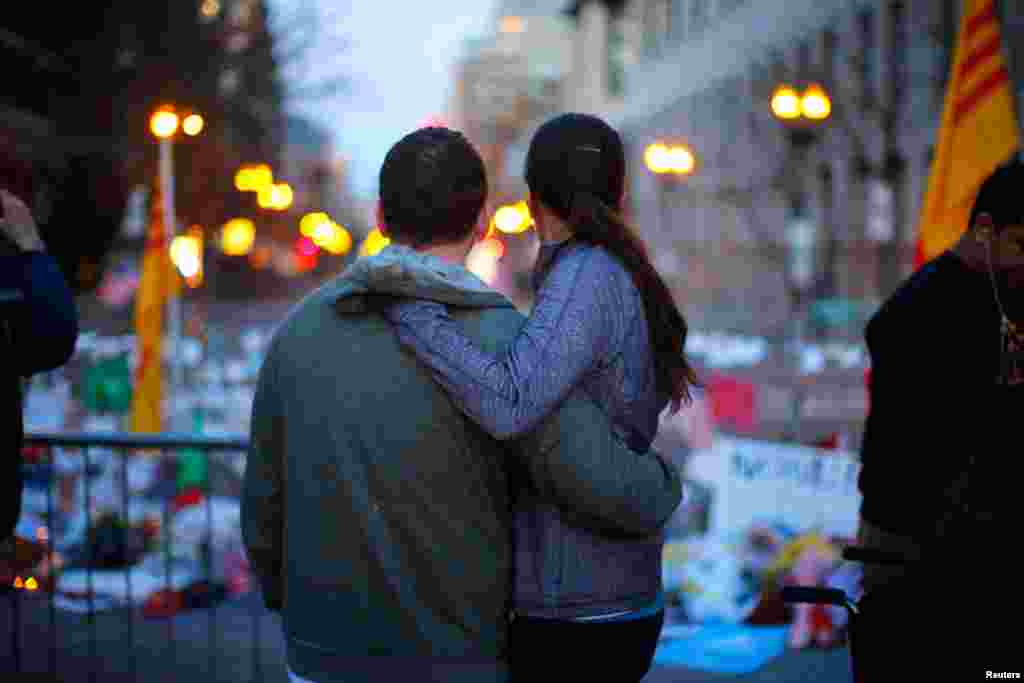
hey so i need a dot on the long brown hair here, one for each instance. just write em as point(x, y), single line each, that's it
point(576, 167)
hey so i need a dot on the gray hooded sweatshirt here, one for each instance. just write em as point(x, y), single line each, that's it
point(377, 517)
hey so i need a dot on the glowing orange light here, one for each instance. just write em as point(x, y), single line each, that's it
point(193, 124)
point(681, 160)
point(278, 196)
point(311, 221)
point(339, 242)
point(374, 242)
point(786, 102)
point(18, 582)
point(253, 178)
point(237, 237)
point(658, 158)
point(164, 123)
point(815, 104)
point(186, 254)
point(514, 218)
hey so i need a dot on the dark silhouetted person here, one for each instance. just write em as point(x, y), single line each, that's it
point(942, 455)
point(38, 331)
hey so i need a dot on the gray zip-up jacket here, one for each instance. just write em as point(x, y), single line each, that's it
point(587, 329)
point(377, 517)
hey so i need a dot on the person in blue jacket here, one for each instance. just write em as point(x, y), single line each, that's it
point(38, 331)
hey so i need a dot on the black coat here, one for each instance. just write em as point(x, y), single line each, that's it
point(38, 331)
point(934, 349)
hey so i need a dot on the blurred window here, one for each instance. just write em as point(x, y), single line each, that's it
point(616, 58)
point(726, 7)
point(868, 52)
point(803, 57)
point(830, 45)
point(657, 25)
point(700, 16)
point(900, 43)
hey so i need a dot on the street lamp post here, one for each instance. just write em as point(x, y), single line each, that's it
point(164, 124)
point(670, 164)
point(802, 114)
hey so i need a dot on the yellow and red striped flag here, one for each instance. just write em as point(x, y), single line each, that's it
point(158, 283)
point(979, 130)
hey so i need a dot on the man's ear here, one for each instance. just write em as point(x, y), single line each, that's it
point(381, 225)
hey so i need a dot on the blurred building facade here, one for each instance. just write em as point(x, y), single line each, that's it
point(702, 73)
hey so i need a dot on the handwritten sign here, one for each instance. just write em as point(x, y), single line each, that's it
point(800, 487)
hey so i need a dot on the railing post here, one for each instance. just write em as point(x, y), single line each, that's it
point(125, 538)
point(169, 586)
point(51, 576)
point(125, 446)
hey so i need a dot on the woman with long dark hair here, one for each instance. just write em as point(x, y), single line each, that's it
point(604, 319)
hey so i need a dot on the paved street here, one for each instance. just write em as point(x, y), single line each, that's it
point(146, 653)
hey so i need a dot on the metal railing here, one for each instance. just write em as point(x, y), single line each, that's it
point(45, 590)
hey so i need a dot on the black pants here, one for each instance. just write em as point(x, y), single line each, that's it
point(555, 650)
point(927, 631)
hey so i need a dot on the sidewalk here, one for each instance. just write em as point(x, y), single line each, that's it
point(150, 652)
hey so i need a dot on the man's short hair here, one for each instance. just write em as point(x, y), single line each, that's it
point(432, 187)
point(1002, 195)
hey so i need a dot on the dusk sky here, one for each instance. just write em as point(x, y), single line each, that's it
point(400, 61)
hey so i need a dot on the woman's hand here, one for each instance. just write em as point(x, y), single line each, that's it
point(18, 225)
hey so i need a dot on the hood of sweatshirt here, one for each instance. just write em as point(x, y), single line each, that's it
point(399, 271)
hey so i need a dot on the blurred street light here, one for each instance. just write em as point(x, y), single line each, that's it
point(513, 218)
point(786, 103)
point(789, 105)
point(164, 124)
point(237, 237)
point(656, 156)
point(193, 125)
point(662, 159)
point(803, 115)
point(311, 221)
point(278, 197)
point(374, 242)
point(815, 104)
point(332, 238)
point(187, 255)
point(253, 178)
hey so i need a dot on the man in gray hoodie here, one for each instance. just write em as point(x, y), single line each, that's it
point(377, 517)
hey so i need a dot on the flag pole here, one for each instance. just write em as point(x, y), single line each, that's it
point(173, 299)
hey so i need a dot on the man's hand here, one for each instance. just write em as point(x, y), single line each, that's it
point(18, 225)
